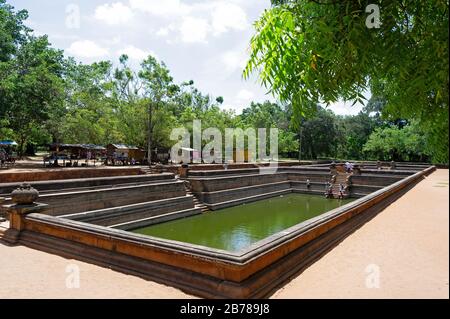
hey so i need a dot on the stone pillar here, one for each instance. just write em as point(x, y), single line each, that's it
point(23, 199)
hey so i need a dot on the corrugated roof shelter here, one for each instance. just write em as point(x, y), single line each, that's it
point(125, 151)
point(8, 143)
point(78, 150)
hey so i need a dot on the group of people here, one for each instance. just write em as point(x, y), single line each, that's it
point(348, 167)
point(5, 157)
point(329, 189)
point(120, 158)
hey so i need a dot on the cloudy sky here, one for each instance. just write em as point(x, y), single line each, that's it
point(202, 40)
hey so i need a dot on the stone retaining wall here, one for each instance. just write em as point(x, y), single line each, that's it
point(219, 189)
point(124, 214)
point(68, 173)
point(82, 201)
point(54, 186)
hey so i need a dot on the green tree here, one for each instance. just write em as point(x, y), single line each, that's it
point(12, 30)
point(265, 115)
point(353, 132)
point(395, 144)
point(34, 87)
point(91, 112)
point(158, 90)
point(319, 135)
point(323, 51)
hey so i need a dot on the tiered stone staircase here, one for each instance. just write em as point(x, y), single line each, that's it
point(146, 170)
point(197, 202)
point(341, 178)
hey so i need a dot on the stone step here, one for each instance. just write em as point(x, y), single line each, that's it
point(197, 203)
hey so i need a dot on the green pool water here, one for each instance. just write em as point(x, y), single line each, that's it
point(238, 227)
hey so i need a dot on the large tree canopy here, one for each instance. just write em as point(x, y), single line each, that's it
point(392, 143)
point(31, 77)
point(322, 51)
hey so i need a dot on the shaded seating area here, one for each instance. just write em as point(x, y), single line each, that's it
point(121, 154)
point(8, 153)
point(74, 155)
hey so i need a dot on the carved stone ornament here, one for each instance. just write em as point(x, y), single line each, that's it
point(24, 194)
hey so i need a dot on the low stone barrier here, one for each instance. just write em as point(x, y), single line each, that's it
point(86, 183)
point(124, 214)
point(68, 173)
point(82, 201)
point(218, 189)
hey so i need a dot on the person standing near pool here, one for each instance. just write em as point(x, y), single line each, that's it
point(308, 184)
point(341, 191)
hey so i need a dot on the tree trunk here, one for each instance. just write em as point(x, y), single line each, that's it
point(300, 144)
point(21, 146)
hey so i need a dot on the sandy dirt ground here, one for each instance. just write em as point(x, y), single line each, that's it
point(27, 273)
point(401, 253)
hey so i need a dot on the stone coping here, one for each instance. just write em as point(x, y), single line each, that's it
point(247, 173)
point(263, 252)
point(250, 171)
point(105, 212)
point(113, 189)
point(80, 183)
point(248, 199)
point(106, 178)
point(67, 173)
point(225, 177)
point(148, 221)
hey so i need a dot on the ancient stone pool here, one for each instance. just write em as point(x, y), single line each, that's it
point(236, 228)
point(263, 228)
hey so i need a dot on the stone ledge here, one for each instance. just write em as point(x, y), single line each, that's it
point(67, 173)
point(76, 184)
point(249, 199)
point(127, 213)
point(145, 222)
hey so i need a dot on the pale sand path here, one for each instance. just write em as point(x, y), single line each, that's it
point(409, 241)
point(28, 273)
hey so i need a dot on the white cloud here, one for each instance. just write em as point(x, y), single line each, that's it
point(87, 49)
point(136, 53)
point(233, 60)
point(345, 108)
point(228, 16)
point(245, 95)
point(163, 8)
point(194, 30)
point(163, 32)
point(195, 21)
point(113, 14)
